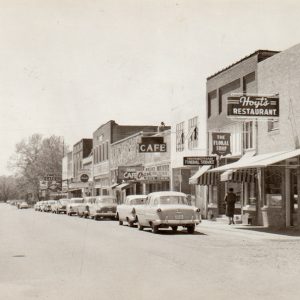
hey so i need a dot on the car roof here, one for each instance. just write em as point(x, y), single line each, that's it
point(167, 193)
point(130, 197)
point(76, 198)
point(107, 196)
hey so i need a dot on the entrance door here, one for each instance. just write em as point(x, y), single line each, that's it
point(293, 197)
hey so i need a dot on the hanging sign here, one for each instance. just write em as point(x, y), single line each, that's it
point(221, 143)
point(199, 161)
point(244, 106)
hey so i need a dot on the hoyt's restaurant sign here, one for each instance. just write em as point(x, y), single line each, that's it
point(253, 106)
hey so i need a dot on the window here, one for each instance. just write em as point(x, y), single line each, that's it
point(193, 133)
point(248, 135)
point(180, 137)
point(107, 150)
point(273, 125)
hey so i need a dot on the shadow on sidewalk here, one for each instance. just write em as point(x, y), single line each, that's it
point(284, 231)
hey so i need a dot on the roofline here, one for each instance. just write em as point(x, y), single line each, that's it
point(257, 52)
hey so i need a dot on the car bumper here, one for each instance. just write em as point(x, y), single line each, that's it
point(176, 222)
point(109, 215)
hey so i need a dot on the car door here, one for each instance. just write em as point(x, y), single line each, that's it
point(151, 211)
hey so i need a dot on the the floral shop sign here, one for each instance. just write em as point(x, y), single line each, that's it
point(244, 106)
point(221, 143)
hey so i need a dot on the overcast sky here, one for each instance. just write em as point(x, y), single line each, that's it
point(67, 66)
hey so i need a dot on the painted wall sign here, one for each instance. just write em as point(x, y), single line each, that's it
point(199, 161)
point(130, 173)
point(221, 143)
point(152, 144)
point(244, 106)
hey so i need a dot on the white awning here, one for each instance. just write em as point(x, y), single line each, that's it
point(123, 186)
point(258, 161)
point(226, 176)
point(113, 186)
point(195, 178)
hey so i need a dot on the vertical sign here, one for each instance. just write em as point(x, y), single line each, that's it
point(221, 143)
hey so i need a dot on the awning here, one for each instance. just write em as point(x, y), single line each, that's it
point(113, 186)
point(259, 161)
point(195, 178)
point(247, 175)
point(123, 186)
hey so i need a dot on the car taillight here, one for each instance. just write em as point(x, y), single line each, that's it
point(133, 211)
point(198, 210)
point(158, 210)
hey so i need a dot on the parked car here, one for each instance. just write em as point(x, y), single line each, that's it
point(47, 205)
point(23, 205)
point(60, 206)
point(83, 210)
point(37, 205)
point(126, 211)
point(104, 207)
point(167, 209)
point(73, 205)
point(41, 205)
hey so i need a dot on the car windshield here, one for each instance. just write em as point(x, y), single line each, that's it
point(52, 202)
point(107, 200)
point(173, 200)
point(137, 201)
point(63, 202)
point(76, 200)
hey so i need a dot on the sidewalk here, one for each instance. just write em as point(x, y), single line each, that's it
point(251, 231)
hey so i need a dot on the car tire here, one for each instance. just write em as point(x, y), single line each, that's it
point(140, 227)
point(174, 228)
point(120, 222)
point(191, 229)
point(130, 223)
point(155, 228)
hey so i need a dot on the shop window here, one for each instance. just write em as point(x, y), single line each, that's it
point(273, 180)
point(193, 133)
point(180, 137)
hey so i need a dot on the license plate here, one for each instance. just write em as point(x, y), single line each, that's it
point(178, 217)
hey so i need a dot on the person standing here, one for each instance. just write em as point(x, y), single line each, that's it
point(230, 200)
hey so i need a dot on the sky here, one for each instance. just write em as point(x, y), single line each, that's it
point(68, 66)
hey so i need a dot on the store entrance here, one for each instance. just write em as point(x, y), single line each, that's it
point(293, 197)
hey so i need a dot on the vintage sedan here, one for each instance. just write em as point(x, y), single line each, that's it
point(60, 206)
point(47, 205)
point(23, 205)
point(72, 206)
point(167, 209)
point(104, 207)
point(83, 210)
point(126, 211)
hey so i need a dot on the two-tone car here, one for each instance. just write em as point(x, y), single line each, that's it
point(126, 212)
point(167, 209)
point(104, 207)
point(83, 210)
point(72, 206)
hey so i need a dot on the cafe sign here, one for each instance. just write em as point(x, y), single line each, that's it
point(152, 145)
point(244, 106)
point(221, 143)
point(130, 173)
point(199, 161)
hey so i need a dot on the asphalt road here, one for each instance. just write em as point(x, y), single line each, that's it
point(47, 256)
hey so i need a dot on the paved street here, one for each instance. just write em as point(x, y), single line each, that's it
point(47, 256)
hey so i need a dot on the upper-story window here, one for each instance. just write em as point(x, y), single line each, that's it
point(180, 137)
point(273, 125)
point(248, 135)
point(193, 133)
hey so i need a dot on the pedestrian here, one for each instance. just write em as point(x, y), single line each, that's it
point(230, 200)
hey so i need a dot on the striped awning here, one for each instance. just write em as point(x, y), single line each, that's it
point(248, 175)
point(209, 179)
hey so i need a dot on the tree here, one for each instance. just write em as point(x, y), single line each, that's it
point(34, 158)
point(8, 188)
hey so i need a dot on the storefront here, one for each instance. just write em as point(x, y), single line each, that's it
point(269, 187)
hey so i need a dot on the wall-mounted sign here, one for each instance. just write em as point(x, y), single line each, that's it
point(244, 106)
point(84, 177)
point(152, 144)
point(130, 173)
point(221, 143)
point(49, 177)
point(199, 161)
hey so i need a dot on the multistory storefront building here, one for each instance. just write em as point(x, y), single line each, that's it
point(263, 162)
point(136, 172)
point(103, 137)
point(188, 139)
point(67, 172)
point(240, 137)
point(81, 176)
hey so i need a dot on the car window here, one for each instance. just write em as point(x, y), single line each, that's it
point(107, 200)
point(137, 201)
point(76, 200)
point(173, 200)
